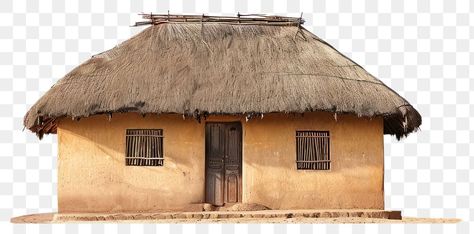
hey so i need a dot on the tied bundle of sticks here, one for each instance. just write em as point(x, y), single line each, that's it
point(252, 19)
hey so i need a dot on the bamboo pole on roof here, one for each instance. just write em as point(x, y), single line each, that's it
point(240, 19)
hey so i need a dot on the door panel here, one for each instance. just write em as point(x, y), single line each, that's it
point(215, 188)
point(233, 158)
point(223, 163)
point(232, 188)
point(214, 164)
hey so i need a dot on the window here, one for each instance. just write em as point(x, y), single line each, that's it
point(144, 147)
point(312, 150)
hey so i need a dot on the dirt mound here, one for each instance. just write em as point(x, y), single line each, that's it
point(209, 207)
point(244, 207)
point(234, 207)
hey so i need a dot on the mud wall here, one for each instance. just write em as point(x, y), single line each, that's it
point(92, 176)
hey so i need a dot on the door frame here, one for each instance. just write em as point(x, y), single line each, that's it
point(240, 194)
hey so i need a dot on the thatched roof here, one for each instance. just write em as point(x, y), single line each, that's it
point(200, 68)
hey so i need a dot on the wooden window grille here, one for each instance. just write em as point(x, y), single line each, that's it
point(313, 150)
point(144, 147)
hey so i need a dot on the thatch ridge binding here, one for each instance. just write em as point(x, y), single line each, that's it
point(199, 69)
point(250, 19)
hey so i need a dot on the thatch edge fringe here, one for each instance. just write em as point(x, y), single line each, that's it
point(408, 120)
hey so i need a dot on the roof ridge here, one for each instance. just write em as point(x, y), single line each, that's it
point(250, 19)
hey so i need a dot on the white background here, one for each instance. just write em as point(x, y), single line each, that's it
point(421, 49)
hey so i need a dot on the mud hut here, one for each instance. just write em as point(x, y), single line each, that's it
point(221, 110)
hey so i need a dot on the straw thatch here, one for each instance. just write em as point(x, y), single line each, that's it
point(198, 69)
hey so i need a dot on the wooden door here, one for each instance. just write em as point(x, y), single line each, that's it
point(223, 163)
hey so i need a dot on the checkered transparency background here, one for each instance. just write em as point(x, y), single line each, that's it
point(421, 49)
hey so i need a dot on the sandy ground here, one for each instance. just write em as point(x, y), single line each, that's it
point(319, 220)
point(49, 218)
